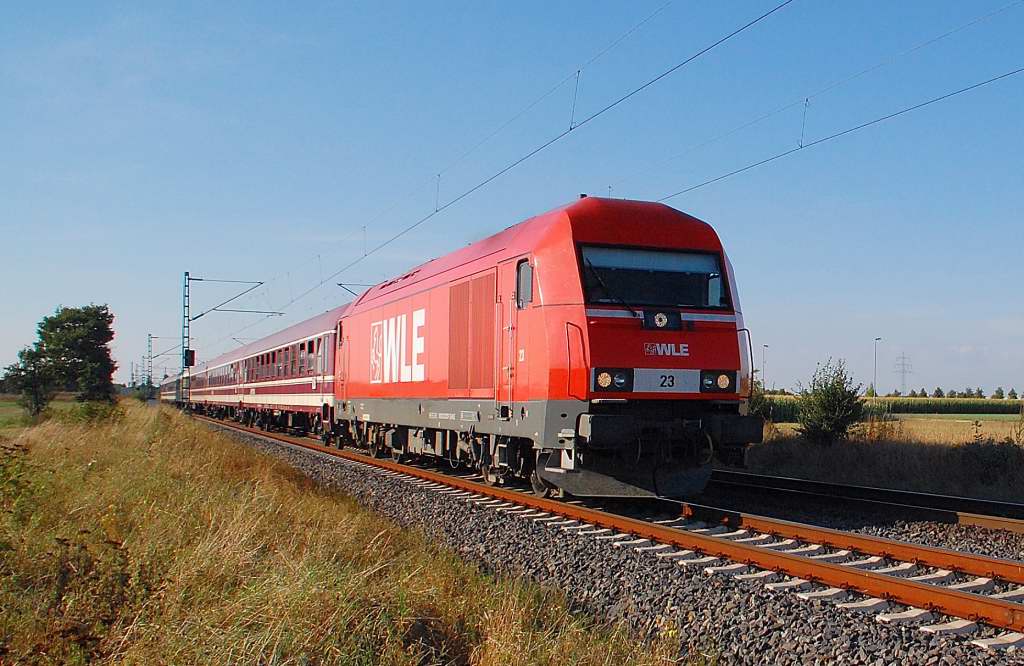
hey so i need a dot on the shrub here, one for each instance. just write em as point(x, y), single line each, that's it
point(830, 406)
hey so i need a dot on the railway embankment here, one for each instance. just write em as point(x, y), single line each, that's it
point(138, 535)
point(659, 592)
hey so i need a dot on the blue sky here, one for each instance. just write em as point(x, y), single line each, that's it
point(255, 141)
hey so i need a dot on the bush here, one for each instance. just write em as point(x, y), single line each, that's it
point(831, 406)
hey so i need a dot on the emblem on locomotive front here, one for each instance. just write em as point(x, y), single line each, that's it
point(396, 349)
point(666, 349)
point(661, 320)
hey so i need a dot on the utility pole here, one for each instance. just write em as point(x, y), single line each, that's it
point(188, 355)
point(904, 368)
point(764, 381)
point(874, 378)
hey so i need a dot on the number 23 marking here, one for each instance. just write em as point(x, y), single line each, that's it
point(668, 381)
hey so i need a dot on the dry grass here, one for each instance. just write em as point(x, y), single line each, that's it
point(148, 539)
point(973, 459)
point(941, 429)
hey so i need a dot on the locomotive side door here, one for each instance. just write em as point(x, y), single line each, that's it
point(515, 292)
point(340, 368)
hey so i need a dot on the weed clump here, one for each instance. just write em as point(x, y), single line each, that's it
point(830, 406)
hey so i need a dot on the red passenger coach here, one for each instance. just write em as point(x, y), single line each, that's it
point(598, 349)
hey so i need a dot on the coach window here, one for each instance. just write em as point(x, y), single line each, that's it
point(320, 355)
point(302, 358)
point(524, 284)
point(295, 360)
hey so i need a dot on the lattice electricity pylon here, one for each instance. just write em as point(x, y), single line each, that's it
point(903, 368)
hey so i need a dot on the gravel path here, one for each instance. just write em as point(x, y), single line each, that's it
point(889, 524)
point(740, 623)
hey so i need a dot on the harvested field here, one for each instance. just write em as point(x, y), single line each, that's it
point(145, 538)
point(935, 428)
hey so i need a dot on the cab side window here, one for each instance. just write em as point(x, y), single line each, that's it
point(524, 284)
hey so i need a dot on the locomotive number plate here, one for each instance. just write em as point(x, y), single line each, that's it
point(662, 380)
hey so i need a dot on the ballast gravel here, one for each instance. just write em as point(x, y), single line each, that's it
point(718, 617)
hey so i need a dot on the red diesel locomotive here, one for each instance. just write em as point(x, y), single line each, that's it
point(597, 349)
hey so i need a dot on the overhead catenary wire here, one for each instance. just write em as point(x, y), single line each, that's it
point(806, 98)
point(528, 155)
point(542, 147)
point(436, 178)
point(849, 130)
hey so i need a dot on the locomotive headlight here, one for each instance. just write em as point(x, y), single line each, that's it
point(717, 381)
point(613, 379)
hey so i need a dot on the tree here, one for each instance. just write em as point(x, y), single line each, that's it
point(871, 393)
point(913, 393)
point(33, 378)
point(831, 405)
point(998, 393)
point(937, 393)
point(978, 393)
point(1012, 395)
point(76, 343)
point(967, 393)
point(922, 393)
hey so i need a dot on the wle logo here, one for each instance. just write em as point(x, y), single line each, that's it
point(666, 349)
point(396, 349)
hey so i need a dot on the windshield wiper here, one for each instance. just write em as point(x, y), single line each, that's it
point(608, 290)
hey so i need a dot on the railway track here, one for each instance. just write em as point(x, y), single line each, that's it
point(859, 573)
point(939, 508)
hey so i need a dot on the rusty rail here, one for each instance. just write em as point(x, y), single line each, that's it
point(975, 607)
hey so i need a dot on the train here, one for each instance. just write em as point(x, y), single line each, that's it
point(598, 349)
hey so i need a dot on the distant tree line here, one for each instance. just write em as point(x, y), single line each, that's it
point(72, 354)
point(998, 394)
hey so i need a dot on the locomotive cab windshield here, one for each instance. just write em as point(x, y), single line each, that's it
point(657, 278)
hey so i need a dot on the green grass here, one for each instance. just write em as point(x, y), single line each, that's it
point(13, 416)
point(783, 408)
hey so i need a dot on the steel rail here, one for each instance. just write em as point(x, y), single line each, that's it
point(943, 508)
point(975, 607)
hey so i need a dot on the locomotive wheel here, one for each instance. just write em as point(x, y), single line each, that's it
point(396, 454)
point(490, 475)
point(541, 488)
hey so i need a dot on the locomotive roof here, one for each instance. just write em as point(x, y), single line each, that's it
point(324, 321)
point(520, 238)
